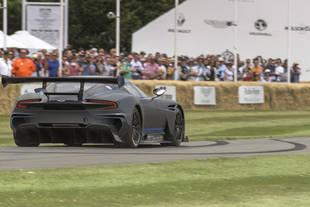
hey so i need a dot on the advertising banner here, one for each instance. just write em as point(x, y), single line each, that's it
point(170, 93)
point(44, 22)
point(251, 95)
point(204, 95)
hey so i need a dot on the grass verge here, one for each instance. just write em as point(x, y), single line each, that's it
point(229, 182)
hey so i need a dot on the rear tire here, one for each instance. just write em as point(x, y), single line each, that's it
point(27, 139)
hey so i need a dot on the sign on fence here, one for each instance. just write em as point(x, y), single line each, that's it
point(204, 95)
point(251, 95)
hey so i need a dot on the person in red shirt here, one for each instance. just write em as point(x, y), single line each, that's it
point(23, 66)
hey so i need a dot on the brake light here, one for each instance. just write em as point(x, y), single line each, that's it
point(21, 104)
point(108, 104)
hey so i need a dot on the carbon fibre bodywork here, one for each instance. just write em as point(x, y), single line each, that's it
point(102, 113)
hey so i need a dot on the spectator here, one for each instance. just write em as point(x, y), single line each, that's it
point(88, 68)
point(256, 70)
point(53, 65)
point(202, 72)
point(73, 69)
point(162, 64)
point(125, 69)
point(109, 67)
point(38, 65)
point(248, 75)
point(295, 73)
point(5, 64)
point(266, 77)
point(192, 71)
point(151, 70)
point(136, 66)
point(279, 70)
point(229, 73)
point(23, 66)
point(220, 71)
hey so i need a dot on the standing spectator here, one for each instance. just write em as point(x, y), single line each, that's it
point(271, 66)
point(125, 69)
point(220, 71)
point(279, 70)
point(229, 73)
point(5, 64)
point(184, 68)
point(38, 65)
point(23, 66)
point(256, 70)
point(266, 77)
point(53, 65)
point(162, 64)
point(212, 68)
point(109, 67)
point(136, 67)
point(73, 69)
point(151, 70)
point(295, 73)
point(88, 68)
point(248, 75)
point(202, 71)
point(192, 71)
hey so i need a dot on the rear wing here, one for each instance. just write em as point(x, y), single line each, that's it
point(82, 80)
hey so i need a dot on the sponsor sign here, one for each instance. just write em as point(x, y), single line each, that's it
point(170, 93)
point(204, 95)
point(219, 24)
point(301, 29)
point(44, 22)
point(29, 88)
point(260, 25)
point(181, 21)
point(251, 95)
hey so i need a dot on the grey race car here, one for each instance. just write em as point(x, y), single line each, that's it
point(77, 110)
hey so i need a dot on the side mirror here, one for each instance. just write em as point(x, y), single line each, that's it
point(159, 91)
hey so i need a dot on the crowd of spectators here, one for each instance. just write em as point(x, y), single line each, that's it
point(143, 66)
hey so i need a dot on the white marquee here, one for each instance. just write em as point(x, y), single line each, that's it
point(206, 27)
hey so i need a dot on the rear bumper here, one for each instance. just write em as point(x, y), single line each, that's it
point(96, 128)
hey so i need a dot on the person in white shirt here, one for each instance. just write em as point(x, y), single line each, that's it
point(279, 70)
point(137, 67)
point(5, 64)
point(266, 77)
point(229, 73)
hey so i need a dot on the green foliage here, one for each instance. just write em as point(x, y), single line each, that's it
point(89, 25)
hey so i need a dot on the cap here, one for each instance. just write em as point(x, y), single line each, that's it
point(267, 71)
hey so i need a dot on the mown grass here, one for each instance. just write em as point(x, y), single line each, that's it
point(214, 125)
point(219, 125)
point(273, 181)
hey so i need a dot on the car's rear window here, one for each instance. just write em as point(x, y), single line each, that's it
point(75, 87)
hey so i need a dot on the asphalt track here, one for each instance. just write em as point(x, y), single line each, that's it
point(58, 156)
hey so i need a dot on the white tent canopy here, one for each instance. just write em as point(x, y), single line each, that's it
point(9, 42)
point(30, 41)
point(267, 28)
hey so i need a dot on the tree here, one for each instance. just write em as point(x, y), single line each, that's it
point(89, 25)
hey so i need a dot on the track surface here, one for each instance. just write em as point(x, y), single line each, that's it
point(52, 157)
